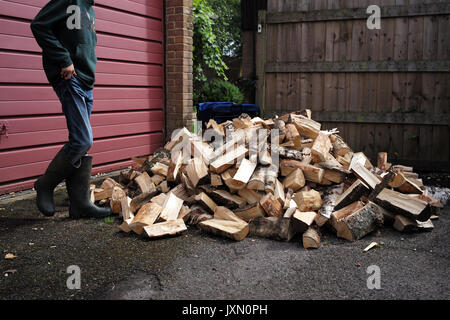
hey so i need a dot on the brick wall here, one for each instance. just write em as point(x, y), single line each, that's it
point(179, 81)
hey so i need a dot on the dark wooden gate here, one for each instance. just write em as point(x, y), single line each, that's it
point(385, 90)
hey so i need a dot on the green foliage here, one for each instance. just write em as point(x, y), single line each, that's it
point(205, 44)
point(227, 26)
point(219, 90)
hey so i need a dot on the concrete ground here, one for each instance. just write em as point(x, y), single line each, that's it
point(196, 265)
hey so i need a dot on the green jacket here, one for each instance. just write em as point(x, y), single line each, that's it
point(67, 38)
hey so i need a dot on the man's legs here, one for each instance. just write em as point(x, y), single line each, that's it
point(71, 162)
point(76, 103)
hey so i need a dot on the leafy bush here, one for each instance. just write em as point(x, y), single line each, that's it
point(218, 91)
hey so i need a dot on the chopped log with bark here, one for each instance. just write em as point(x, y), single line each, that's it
point(352, 194)
point(340, 148)
point(344, 212)
point(365, 175)
point(206, 201)
point(244, 172)
point(308, 200)
point(277, 228)
point(360, 223)
point(167, 228)
point(303, 220)
point(320, 148)
point(279, 192)
point(271, 179)
point(293, 135)
point(287, 153)
point(404, 224)
point(295, 180)
point(171, 207)
point(196, 171)
point(311, 173)
point(305, 126)
point(225, 228)
point(257, 181)
point(147, 215)
point(400, 203)
point(224, 162)
point(251, 196)
point(145, 183)
point(271, 205)
point(250, 212)
point(311, 239)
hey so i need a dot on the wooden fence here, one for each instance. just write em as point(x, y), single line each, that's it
point(385, 89)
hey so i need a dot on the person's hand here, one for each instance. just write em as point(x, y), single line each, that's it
point(68, 72)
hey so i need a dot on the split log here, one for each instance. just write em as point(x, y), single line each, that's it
point(303, 220)
point(405, 185)
point(279, 192)
point(293, 135)
point(365, 175)
point(116, 200)
point(308, 200)
point(306, 127)
point(257, 181)
point(125, 225)
point(179, 136)
point(157, 179)
point(159, 199)
point(328, 198)
point(404, 224)
point(227, 178)
point(224, 162)
point(382, 163)
point(281, 126)
point(244, 172)
point(224, 213)
point(167, 228)
point(340, 148)
point(250, 212)
point(311, 173)
point(410, 207)
point(163, 187)
point(271, 205)
point(145, 183)
point(100, 193)
point(185, 211)
point(288, 198)
point(335, 176)
point(251, 196)
point(197, 215)
point(216, 180)
point(196, 171)
point(224, 198)
point(171, 207)
point(174, 167)
point(360, 223)
point(160, 168)
point(311, 239)
point(286, 153)
point(230, 229)
point(146, 216)
point(360, 158)
point(206, 201)
point(352, 194)
point(271, 178)
point(295, 180)
point(320, 148)
point(125, 208)
point(277, 228)
point(344, 212)
point(137, 202)
point(202, 150)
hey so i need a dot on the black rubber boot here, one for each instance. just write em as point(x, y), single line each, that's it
point(58, 170)
point(78, 189)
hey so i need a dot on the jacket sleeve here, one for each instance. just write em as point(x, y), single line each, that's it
point(42, 27)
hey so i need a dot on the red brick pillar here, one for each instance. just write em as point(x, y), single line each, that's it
point(179, 81)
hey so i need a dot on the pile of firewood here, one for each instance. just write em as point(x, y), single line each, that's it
point(228, 182)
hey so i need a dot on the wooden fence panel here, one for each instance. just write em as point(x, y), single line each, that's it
point(385, 90)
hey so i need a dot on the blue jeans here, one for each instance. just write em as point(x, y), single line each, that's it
point(77, 101)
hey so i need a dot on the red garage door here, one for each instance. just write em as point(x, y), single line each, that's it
point(128, 112)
